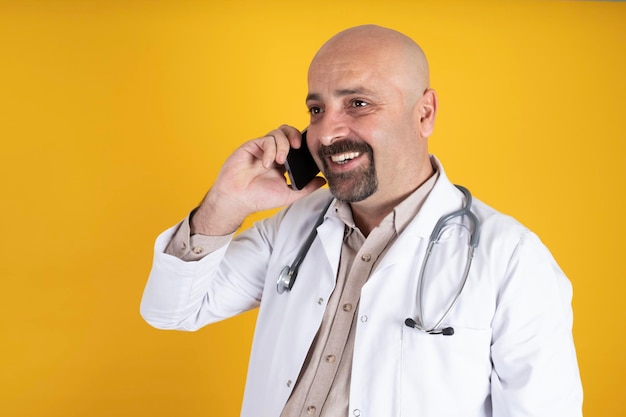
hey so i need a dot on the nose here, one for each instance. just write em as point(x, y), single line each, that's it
point(330, 128)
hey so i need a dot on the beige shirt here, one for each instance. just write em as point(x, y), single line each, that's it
point(323, 387)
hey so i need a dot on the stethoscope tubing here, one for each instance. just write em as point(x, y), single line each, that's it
point(288, 275)
point(434, 238)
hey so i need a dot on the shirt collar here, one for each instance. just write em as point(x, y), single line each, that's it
point(402, 214)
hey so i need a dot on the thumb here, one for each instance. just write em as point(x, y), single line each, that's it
point(315, 184)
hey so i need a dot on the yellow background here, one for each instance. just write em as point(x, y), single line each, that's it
point(116, 115)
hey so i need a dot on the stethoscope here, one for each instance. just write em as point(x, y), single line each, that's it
point(288, 275)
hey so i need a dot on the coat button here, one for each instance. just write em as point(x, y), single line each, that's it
point(310, 410)
point(366, 257)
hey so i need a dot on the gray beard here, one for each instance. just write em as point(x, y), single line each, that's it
point(355, 185)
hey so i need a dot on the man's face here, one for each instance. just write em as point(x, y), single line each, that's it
point(361, 132)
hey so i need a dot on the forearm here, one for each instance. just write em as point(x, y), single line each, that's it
point(217, 216)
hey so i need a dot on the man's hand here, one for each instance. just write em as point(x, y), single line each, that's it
point(252, 179)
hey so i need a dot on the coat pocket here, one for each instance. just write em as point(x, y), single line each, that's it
point(446, 376)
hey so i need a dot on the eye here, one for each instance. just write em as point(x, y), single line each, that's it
point(315, 113)
point(358, 103)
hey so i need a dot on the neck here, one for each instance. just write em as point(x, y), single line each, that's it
point(369, 213)
point(367, 219)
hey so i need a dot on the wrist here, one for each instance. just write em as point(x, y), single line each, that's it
point(214, 219)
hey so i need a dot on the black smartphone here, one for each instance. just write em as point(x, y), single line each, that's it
point(300, 165)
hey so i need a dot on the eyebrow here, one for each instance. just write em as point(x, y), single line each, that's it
point(339, 93)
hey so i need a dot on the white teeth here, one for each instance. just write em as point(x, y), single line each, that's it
point(341, 159)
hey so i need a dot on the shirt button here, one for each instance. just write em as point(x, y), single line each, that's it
point(356, 412)
point(197, 250)
point(363, 318)
point(320, 301)
point(310, 410)
point(366, 257)
point(289, 383)
point(331, 358)
point(347, 307)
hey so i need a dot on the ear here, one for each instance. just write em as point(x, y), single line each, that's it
point(427, 108)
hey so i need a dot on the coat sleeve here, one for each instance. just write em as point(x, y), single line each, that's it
point(535, 372)
point(185, 295)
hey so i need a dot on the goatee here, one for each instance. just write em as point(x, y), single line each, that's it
point(357, 184)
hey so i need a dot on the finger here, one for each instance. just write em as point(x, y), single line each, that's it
point(315, 183)
point(293, 135)
point(284, 137)
point(269, 151)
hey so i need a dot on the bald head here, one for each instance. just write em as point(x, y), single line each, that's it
point(372, 112)
point(395, 54)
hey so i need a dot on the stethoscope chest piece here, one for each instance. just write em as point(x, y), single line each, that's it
point(284, 280)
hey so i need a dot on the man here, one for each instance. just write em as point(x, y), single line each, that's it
point(339, 343)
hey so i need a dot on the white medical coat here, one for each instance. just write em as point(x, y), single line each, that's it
point(512, 352)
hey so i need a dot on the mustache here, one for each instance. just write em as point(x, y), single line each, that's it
point(343, 146)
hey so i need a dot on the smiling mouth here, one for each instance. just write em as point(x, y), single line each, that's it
point(343, 155)
point(344, 158)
